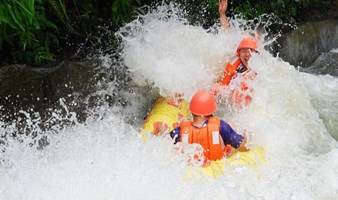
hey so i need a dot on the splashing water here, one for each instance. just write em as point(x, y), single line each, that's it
point(105, 158)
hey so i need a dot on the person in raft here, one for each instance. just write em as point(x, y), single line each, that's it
point(212, 133)
point(239, 65)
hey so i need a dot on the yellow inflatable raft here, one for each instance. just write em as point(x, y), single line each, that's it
point(167, 114)
point(250, 159)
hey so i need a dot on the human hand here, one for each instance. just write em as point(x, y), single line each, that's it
point(249, 139)
point(222, 6)
point(245, 145)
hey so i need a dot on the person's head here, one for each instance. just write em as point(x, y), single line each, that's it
point(202, 104)
point(246, 47)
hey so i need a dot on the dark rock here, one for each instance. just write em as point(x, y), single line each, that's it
point(39, 89)
point(326, 63)
point(302, 46)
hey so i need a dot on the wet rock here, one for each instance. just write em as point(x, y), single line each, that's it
point(302, 46)
point(39, 89)
point(326, 63)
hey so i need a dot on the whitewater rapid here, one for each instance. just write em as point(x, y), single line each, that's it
point(104, 158)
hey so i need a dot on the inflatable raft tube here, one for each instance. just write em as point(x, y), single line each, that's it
point(251, 159)
point(166, 114)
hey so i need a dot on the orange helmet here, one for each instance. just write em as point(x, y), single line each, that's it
point(247, 43)
point(203, 103)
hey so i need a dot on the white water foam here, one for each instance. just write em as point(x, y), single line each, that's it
point(334, 50)
point(323, 91)
point(174, 55)
point(106, 159)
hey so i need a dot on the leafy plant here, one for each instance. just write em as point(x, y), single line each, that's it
point(22, 27)
point(125, 10)
point(33, 31)
point(26, 30)
point(286, 10)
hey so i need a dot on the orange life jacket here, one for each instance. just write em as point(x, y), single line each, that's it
point(242, 95)
point(230, 71)
point(208, 137)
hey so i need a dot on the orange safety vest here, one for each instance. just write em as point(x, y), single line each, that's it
point(242, 95)
point(208, 137)
point(230, 71)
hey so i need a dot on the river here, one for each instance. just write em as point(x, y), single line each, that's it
point(104, 157)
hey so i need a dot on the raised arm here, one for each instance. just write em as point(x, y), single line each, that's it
point(222, 8)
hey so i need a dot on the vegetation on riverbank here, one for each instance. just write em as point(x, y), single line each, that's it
point(39, 31)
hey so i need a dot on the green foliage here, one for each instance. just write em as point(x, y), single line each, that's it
point(286, 10)
point(27, 32)
point(125, 10)
point(59, 8)
point(121, 10)
point(33, 31)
